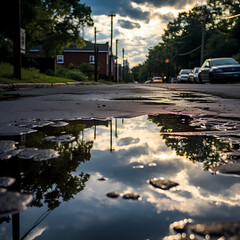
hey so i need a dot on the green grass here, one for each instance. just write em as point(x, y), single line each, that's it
point(28, 76)
point(33, 75)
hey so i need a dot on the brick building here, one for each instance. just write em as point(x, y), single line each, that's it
point(76, 56)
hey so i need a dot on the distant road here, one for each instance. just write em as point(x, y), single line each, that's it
point(222, 90)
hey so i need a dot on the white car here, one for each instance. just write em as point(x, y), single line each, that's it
point(193, 76)
point(183, 75)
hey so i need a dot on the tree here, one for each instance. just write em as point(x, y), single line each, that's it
point(227, 28)
point(186, 33)
point(140, 73)
point(182, 39)
point(52, 23)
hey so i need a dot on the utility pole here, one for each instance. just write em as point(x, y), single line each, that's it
point(123, 72)
point(203, 34)
point(16, 39)
point(111, 55)
point(96, 55)
point(117, 74)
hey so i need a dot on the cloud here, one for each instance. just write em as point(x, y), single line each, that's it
point(128, 24)
point(166, 18)
point(127, 141)
point(126, 9)
point(122, 8)
point(146, 20)
point(164, 3)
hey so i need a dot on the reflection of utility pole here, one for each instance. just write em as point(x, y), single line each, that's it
point(116, 133)
point(117, 73)
point(95, 131)
point(96, 55)
point(17, 187)
point(111, 144)
point(111, 53)
point(16, 39)
point(82, 136)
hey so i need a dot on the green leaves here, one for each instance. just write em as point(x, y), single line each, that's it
point(53, 24)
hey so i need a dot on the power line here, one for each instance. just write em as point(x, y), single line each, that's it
point(195, 49)
point(238, 15)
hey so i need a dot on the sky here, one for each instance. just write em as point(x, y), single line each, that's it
point(138, 24)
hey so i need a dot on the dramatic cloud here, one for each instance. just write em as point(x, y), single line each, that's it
point(128, 24)
point(123, 8)
point(166, 18)
point(138, 24)
point(163, 3)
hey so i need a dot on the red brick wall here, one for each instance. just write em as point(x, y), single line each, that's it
point(78, 58)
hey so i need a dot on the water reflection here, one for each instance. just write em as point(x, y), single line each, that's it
point(121, 156)
point(203, 148)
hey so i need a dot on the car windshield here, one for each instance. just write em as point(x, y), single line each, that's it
point(196, 70)
point(185, 71)
point(223, 61)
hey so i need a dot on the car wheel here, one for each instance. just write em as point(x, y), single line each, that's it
point(211, 80)
point(200, 79)
point(194, 80)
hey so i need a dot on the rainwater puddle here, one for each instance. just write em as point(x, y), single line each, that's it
point(157, 177)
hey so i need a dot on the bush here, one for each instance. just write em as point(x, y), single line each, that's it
point(76, 75)
point(6, 70)
point(87, 69)
point(71, 72)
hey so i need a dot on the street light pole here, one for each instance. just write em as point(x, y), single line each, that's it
point(111, 55)
point(123, 72)
point(96, 55)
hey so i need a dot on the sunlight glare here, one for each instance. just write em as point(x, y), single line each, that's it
point(166, 10)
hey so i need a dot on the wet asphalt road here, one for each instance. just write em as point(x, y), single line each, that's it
point(127, 100)
point(205, 103)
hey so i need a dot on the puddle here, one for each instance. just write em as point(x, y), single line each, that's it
point(151, 177)
point(172, 98)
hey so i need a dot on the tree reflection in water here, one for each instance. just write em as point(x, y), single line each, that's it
point(53, 181)
point(208, 150)
point(49, 181)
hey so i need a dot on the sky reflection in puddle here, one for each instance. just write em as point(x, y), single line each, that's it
point(128, 153)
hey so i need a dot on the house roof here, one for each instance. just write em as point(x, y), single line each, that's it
point(89, 47)
point(102, 47)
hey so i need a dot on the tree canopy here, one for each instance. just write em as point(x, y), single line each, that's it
point(182, 39)
point(53, 24)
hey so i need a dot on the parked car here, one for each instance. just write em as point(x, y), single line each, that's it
point(219, 70)
point(183, 75)
point(157, 80)
point(193, 75)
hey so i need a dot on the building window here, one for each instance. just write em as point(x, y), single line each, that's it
point(92, 59)
point(60, 59)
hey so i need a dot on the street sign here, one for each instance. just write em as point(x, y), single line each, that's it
point(23, 40)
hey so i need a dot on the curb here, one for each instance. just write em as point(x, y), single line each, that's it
point(13, 86)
